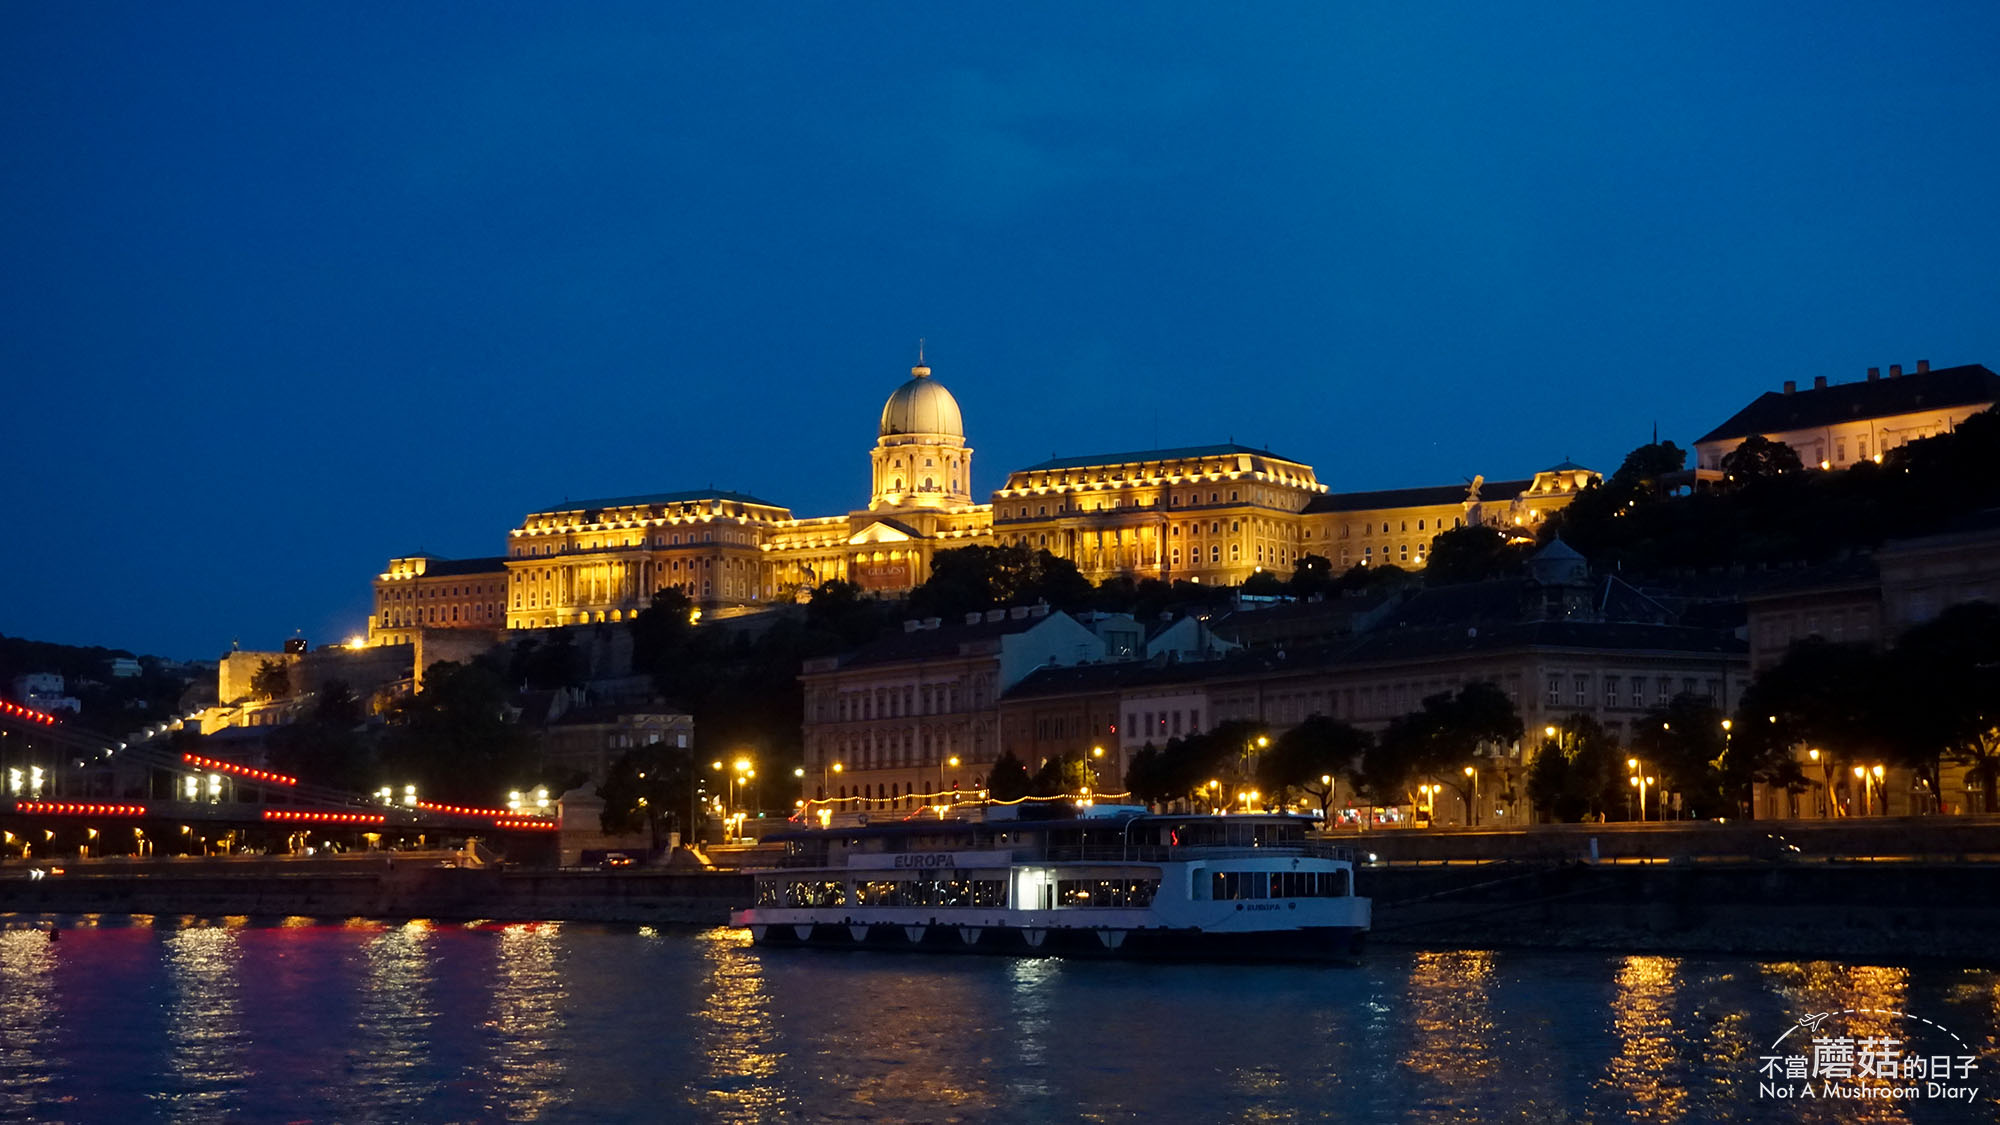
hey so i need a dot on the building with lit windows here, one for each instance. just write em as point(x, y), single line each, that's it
point(1833, 427)
point(1214, 514)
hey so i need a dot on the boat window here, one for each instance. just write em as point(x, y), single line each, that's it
point(831, 892)
point(1278, 884)
point(1103, 893)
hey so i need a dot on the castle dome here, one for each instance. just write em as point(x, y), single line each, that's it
point(922, 406)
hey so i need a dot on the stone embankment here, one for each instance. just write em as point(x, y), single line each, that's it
point(1892, 910)
point(370, 887)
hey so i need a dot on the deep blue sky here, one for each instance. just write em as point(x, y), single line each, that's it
point(293, 288)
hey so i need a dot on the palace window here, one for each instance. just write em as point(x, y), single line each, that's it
point(1555, 691)
point(1215, 553)
point(1611, 691)
point(1583, 691)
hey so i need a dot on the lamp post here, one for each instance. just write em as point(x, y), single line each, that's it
point(1640, 782)
point(1882, 802)
point(1472, 798)
point(1250, 749)
point(1096, 756)
point(1825, 783)
point(1633, 765)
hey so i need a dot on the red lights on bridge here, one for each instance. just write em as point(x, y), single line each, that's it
point(66, 808)
point(27, 713)
point(199, 762)
point(520, 822)
point(461, 810)
point(326, 817)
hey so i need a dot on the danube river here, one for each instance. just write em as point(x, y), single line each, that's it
point(131, 1020)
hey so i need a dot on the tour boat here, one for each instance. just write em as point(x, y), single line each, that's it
point(1103, 881)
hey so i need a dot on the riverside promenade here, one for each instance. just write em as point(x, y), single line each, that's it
point(1888, 888)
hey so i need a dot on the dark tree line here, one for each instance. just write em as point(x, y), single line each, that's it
point(1769, 510)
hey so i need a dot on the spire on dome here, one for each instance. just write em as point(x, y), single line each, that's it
point(922, 369)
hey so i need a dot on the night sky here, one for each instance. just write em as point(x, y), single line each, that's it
point(291, 289)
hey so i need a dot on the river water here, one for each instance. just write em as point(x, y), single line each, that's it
point(142, 1019)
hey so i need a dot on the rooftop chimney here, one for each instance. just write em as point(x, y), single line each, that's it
point(1923, 365)
point(1819, 382)
point(1791, 386)
point(1874, 373)
point(1895, 371)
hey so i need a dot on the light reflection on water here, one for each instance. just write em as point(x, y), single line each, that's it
point(206, 1075)
point(1867, 995)
point(397, 1009)
point(733, 1033)
point(1448, 1009)
point(27, 1019)
point(527, 1020)
point(374, 1021)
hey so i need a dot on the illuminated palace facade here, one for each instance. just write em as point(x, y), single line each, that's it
point(1211, 514)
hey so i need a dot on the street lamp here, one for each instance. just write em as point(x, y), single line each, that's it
point(1640, 782)
point(1472, 801)
point(1250, 749)
point(1633, 765)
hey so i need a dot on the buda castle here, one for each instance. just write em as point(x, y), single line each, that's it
point(1213, 514)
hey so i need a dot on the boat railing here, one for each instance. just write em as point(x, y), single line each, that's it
point(1162, 853)
point(1126, 853)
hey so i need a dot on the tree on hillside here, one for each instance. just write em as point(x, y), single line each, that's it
point(841, 612)
point(1313, 574)
point(543, 664)
point(454, 740)
point(271, 680)
point(1643, 467)
point(1759, 458)
point(329, 745)
point(1470, 554)
point(662, 631)
point(1263, 584)
point(981, 578)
